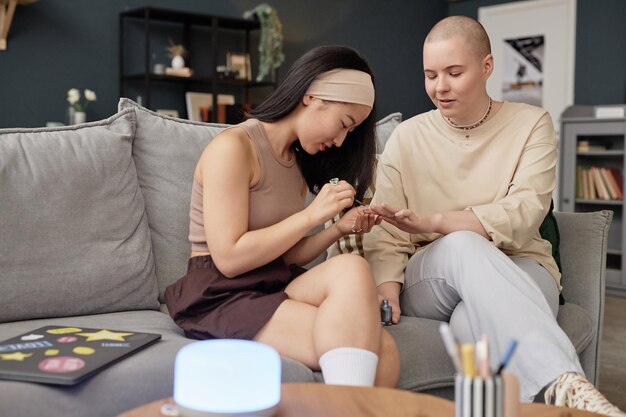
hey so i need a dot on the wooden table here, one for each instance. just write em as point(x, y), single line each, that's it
point(320, 400)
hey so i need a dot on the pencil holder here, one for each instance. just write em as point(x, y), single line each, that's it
point(495, 396)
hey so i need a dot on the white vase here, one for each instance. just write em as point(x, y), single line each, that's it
point(178, 62)
point(80, 117)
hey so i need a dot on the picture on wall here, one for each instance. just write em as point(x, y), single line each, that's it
point(240, 63)
point(522, 75)
point(533, 34)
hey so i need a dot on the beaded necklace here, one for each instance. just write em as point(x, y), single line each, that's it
point(473, 125)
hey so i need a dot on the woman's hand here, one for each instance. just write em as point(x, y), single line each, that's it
point(331, 200)
point(358, 220)
point(403, 219)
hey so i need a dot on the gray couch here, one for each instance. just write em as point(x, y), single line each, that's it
point(93, 227)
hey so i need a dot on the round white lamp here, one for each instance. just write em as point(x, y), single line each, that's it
point(227, 378)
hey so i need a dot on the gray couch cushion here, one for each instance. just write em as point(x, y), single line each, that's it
point(143, 377)
point(74, 236)
point(384, 127)
point(166, 151)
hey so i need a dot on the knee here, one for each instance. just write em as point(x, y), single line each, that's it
point(461, 242)
point(352, 270)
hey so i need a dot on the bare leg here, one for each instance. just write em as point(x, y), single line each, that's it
point(333, 305)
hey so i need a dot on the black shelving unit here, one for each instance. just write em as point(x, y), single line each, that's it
point(150, 18)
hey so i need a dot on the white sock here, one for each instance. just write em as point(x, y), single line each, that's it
point(349, 366)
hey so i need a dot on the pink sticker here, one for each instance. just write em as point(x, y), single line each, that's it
point(61, 364)
point(67, 339)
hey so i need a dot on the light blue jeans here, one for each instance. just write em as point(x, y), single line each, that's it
point(464, 279)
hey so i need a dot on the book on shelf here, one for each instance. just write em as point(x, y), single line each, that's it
point(580, 182)
point(614, 191)
point(179, 72)
point(617, 174)
point(585, 146)
point(601, 190)
point(599, 183)
point(592, 194)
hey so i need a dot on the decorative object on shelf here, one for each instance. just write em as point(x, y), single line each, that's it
point(177, 54)
point(240, 64)
point(271, 43)
point(226, 72)
point(7, 10)
point(159, 69)
point(610, 111)
point(77, 108)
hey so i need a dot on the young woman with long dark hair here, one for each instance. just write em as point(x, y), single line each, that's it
point(249, 226)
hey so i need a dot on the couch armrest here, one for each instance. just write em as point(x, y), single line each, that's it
point(583, 256)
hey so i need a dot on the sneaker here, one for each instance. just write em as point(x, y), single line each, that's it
point(574, 391)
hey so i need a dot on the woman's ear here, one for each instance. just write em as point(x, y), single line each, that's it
point(307, 99)
point(488, 65)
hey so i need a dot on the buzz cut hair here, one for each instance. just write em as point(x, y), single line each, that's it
point(464, 27)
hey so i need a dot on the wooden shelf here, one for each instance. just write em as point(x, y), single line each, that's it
point(195, 80)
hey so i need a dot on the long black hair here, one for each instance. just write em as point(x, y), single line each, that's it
point(354, 160)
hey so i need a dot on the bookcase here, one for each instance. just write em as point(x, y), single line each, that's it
point(145, 32)
point(591, 143)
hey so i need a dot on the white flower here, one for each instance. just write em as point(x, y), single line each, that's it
point(73, 95)
point(90, 95)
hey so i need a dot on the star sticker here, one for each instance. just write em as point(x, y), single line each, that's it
point(104, 335)
point(16, 356)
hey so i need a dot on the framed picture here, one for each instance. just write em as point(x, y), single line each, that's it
point(239, 62)
point(168, 112)
point(200, 105)
point(533, 46)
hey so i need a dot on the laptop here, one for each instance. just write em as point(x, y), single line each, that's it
point(66, 355)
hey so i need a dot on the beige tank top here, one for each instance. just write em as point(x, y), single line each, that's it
point(277, 195)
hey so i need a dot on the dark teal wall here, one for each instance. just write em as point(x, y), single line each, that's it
point(58, 44)
point(600, 74)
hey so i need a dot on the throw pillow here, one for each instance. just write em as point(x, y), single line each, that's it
point(384, 127)
point(166, 150)
point(74, 236)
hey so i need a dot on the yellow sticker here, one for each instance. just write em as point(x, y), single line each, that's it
point(105, 335)
point(15, 356)
point(51, 352)
point(65, 330)
point(82, 350)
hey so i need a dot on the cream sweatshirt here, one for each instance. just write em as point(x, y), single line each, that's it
point(504, 171)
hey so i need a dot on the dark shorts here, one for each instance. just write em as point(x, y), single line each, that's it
point(208, 305)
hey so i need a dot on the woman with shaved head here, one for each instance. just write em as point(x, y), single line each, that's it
point(463, 190)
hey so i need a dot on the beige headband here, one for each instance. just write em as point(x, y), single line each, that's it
point(344, 85)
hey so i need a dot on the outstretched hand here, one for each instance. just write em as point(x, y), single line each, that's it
point(403, 219)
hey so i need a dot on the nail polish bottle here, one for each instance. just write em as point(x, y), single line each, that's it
point(385, 313)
